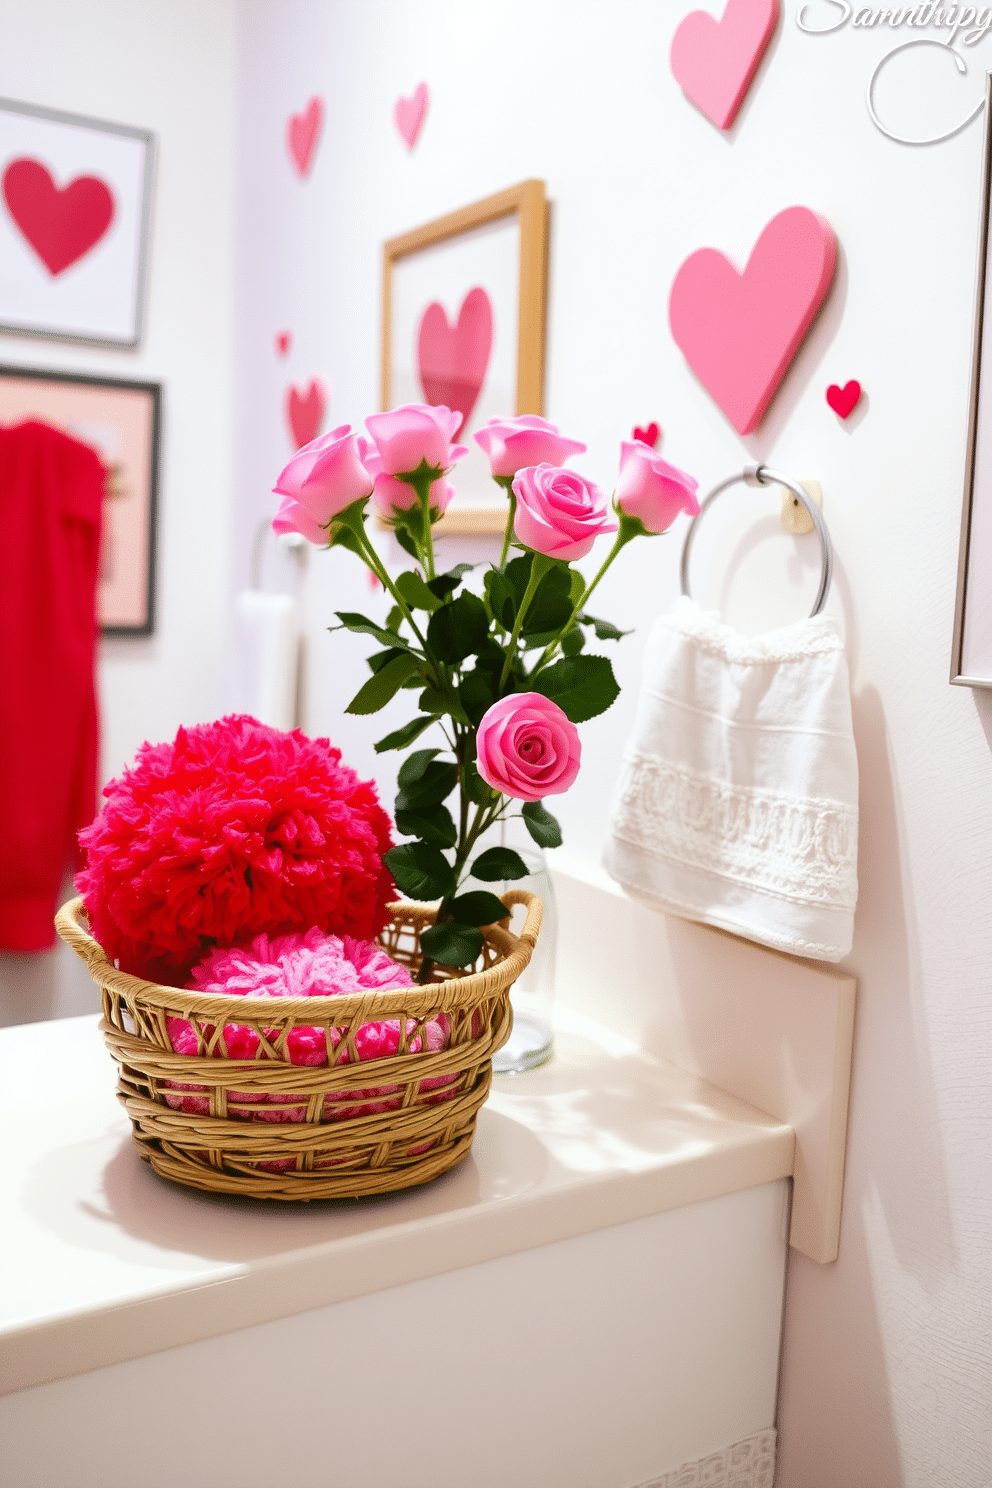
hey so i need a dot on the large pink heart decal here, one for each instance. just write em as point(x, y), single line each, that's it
point(409, 114)
point(63, 223)
point(305, 411)
point(452, 359)
point(739, 332)
point(714, 61)
point(302, 134)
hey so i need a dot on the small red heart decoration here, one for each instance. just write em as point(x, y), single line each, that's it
point(284, 340)
point(408, 114)
point(63, 223)
point(648, 435)
point(305, 411)
point(844, 400)
point(302, 134)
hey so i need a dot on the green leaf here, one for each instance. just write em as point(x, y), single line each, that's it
point(383, 685)
point(394, 619)
point(478, 907)
point(361, 626)
point(518, 573)
point(409, 521)
point(502, 598)
point(343, 537)
point(436, 825)
point(577, 585)
point(416, 593)
point(572, 641)
point(433, 787)
point(441, 700)
point(552, 604)
point(401, 737)
point(413, 767)
point(475, 788)
point(477, 692)
point(451, 944)
point(444, 585)
point(582, 686)
point(497, 864)
point(604, 630)
point(540, 640)
point(379, 659)
point(458, 629)
point(406, 542)
point(491, 655)
point(420, 870)
point(541, 825)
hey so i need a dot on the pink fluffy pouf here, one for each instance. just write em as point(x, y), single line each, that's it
point(231, 830)
point(311, 965)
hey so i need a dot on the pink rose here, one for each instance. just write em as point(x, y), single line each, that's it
point(652, 490)
point(527, 747)
point(511, 444)
point(292, 517)
point(326, 475)
point(558, 512)
point(390, 492)
point(414, 433)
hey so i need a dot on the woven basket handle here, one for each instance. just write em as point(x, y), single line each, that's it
point(68, 926)
point(535, 913)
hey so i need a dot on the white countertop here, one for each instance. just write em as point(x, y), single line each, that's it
point(104, 1261)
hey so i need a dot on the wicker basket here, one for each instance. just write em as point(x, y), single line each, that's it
point(404, 1119)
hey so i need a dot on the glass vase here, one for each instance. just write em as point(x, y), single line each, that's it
point(532, 995)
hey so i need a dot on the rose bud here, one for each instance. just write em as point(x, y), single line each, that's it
point(651, 490)
point(511, 444)
point(326, 475)
point(416, 434)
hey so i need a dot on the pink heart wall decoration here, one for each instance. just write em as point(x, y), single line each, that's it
point(305, 411)
point(408, 114)
point(844, 400)
point(740, 332)
point(284, 340)
point(452, 359)
point(649, 434)
point(714, 61)
point(302, 134)
point(62, 224)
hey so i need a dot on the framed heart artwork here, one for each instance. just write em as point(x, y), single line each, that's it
point(463, 325)
point(75, 204)
point(121, 421)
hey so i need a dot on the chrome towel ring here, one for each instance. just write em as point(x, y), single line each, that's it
point(760, 475)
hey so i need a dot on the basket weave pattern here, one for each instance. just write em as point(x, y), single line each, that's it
point(404, 1119)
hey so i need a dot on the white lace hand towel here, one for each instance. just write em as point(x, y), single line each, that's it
point(738, 797)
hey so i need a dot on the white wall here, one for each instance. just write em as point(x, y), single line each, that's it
point(166, 65)
point(887, 1370)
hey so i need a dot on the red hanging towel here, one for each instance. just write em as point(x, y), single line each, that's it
point(51, 496)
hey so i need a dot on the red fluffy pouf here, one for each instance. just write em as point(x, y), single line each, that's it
point(233, 830)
